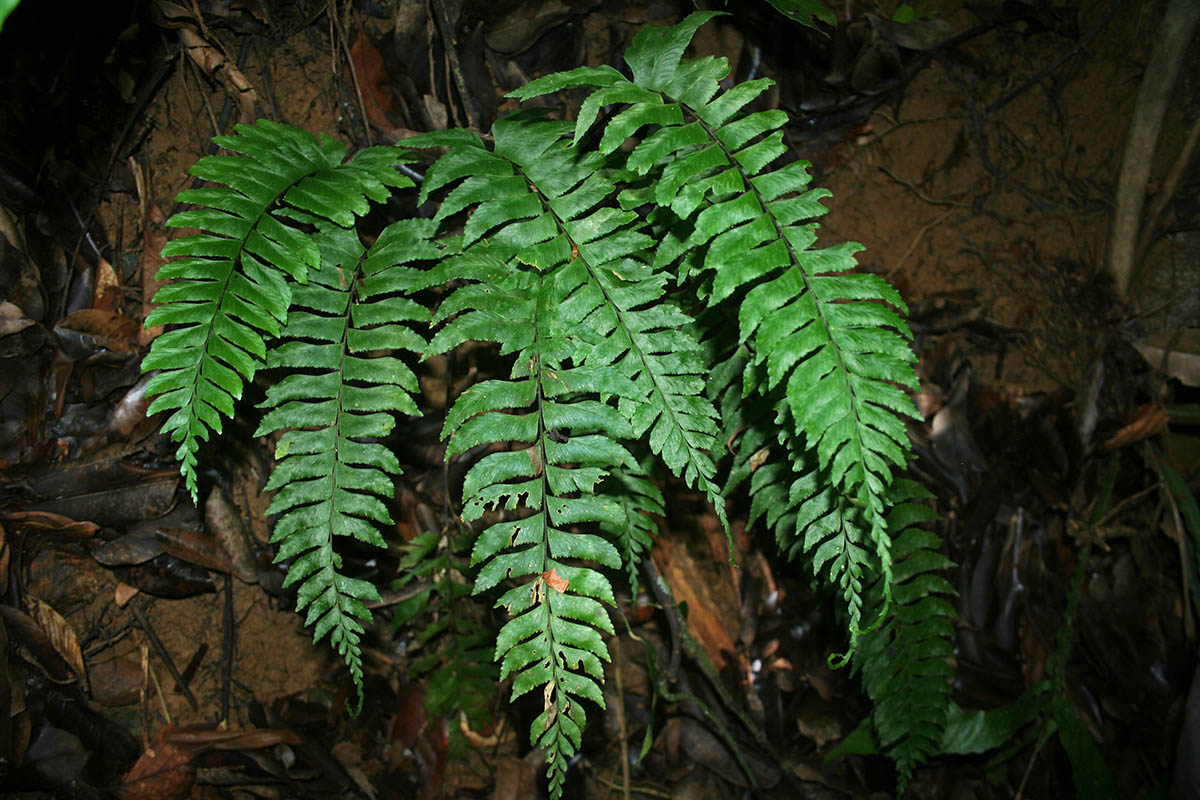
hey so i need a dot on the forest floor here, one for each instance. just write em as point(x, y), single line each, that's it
point(150, 648)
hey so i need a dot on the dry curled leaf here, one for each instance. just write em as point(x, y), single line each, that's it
point(1148, 421)
point(61, 634)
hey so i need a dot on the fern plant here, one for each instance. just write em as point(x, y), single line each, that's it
point(651, 281)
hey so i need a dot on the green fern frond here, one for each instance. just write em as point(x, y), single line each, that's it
point(452, 651)
point(637, 498)
point(828, 339)
point(230, 283)
point(331, 474)
point(552, 404)
point(907, 665)
point(652, 277)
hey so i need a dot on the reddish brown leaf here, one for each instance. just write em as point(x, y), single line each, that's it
point(106, 295)
point(206, 738)
point(375, 84)
point(164, 772)
point(1148, 421)
point(225, 523)
point(691, 587)
point(554, 581)
point(94, 331)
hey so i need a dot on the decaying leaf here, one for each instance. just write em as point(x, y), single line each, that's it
point(1177, 353)
point(94, 331)
point(164, 772)
point(61, 634)
point(225, 523)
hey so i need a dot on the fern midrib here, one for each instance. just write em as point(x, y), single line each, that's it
point(337, 426)
point(843, 369)
point(648, 372)
point(540, 586)
point(235, 266)
point(665, 407)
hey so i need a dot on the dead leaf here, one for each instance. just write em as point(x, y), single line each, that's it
point(25, 631)
point(693, 588)
point(164, 772)
point(12, 319)
point(375, 83)
point(106, 295)
point(1176, 353)
point(124, 593)
point(1148, 421)
point(61, 634)
point(554, 581)
point(127, 550)
point(225, 523)
point(194, 547)
point(94, 331)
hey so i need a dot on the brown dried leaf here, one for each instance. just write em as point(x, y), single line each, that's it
point(124, 551)
point(164, 772)
point(13, 319)
point(693, 588)
point(92, 331)
point(106, 295)
point(61, 634)
point(197, 738)
point(1149, 421)
point(194, 547)
point(124, 593)
point(225, 523)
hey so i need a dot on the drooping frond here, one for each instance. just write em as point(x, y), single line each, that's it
point(614, 301)
point(566, 439)
point(652, 277)
point(907, 664)
point(344, 385)
point(451, 650)
point(832, 347)
point(230, 282)
point(637, 498)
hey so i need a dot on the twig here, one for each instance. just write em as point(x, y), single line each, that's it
point(646, 790)
point(443, 23)
point(362, 106)
point(1029, 769)
point(916, 190)
point(159, 649)
point(228, 643)
point(622, 724)
point(916, 239)
point(162, 699)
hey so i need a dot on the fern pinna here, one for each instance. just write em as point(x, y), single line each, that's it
point(651, 281)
